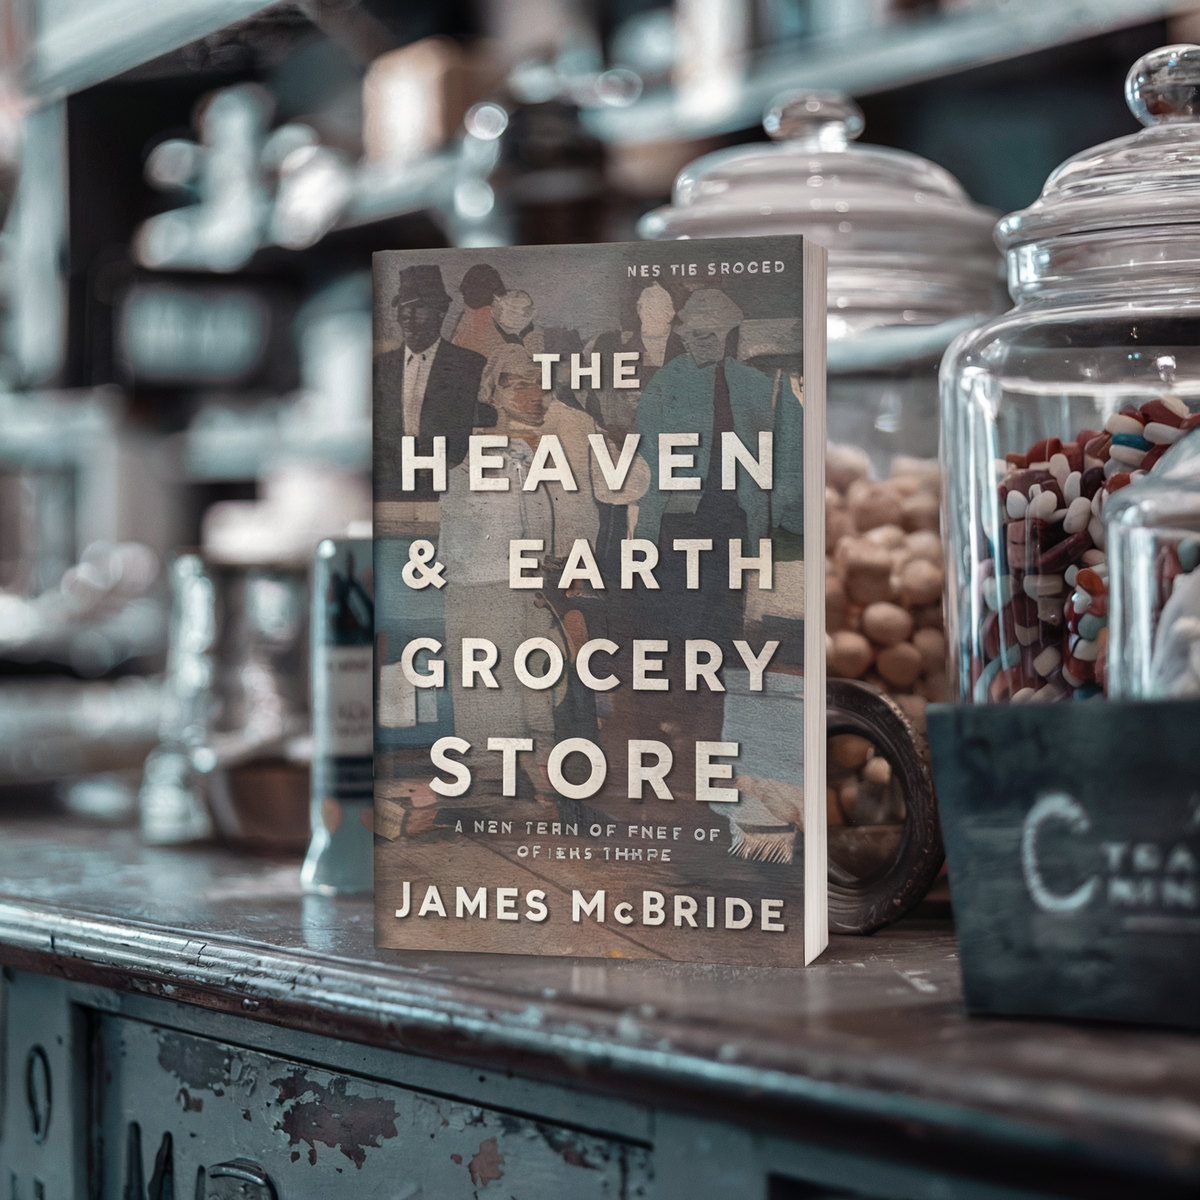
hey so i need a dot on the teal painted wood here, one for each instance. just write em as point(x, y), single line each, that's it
point(861, 1074)
point(1073, 838)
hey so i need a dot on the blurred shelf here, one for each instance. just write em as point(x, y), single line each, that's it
point(227, 445)
point(73, 44)
point(873, 60)
point(383, 191)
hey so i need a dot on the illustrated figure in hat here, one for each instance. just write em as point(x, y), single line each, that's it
point(475, 329)
point(427, 388)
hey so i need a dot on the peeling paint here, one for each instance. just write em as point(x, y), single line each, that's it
point(315, 1113)
point(195, 1062)
point(189, 1103)
point(485, 1166)
point(566, 1145)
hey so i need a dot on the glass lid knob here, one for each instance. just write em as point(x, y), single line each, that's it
point(1163, 87)
point(829, 118)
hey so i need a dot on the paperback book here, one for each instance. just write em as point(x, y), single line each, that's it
point(599, 600)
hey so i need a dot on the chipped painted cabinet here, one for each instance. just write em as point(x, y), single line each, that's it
point(219, 1117)
point(104, 1095)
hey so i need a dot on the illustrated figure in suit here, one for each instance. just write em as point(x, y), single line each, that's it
point(426, 388)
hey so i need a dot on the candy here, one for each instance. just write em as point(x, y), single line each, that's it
point(885, 570)
point(900, 665)
point(1158, 433)
point(1130, 456)
point(886, 623)
point(1048, 661)
point(920, 582)
point(1076, 672)
point(1153, 456)
point(1084, 649)
point(872, 503)
point(1067, 551)
point(852, 654)
point(1078, 515)
point(866, 570)
point(1044, 633)
point(931, 645)
point(1090, 481)
point(920, 511)
point(1120, 423)
point(997, 592)
point(1015, 504)
point(1161, 413)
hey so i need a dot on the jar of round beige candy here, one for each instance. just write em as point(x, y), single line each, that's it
point(911, 265)
point(1053, 409)
point(884, 576)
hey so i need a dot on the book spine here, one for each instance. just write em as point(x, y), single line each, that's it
point(816, 850)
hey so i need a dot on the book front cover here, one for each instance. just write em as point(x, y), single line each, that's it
point(590, 600)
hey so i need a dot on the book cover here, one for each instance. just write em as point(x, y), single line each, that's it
point(599, 590)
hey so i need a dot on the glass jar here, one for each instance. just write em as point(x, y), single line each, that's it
point(1052, 408)
point(1152, 533)
point(911, 265)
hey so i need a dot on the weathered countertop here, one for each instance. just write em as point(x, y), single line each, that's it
point(871, 1038)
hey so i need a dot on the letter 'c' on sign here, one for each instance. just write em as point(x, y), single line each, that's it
point(1053, 806)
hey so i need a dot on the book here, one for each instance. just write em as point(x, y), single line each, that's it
point(599, 590)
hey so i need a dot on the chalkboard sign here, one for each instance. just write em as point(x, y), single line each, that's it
point(1073, 841)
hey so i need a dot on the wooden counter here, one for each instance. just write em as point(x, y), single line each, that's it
point(199, 995)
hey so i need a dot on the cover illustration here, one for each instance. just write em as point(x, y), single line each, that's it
point(599, 671)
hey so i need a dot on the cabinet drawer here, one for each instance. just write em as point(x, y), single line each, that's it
point(316, 1132)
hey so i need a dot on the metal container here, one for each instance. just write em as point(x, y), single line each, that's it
point(339, 860)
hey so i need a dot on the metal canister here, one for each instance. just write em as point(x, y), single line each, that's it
point(343, 623)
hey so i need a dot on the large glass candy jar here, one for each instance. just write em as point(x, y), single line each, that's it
point(911, 265)
point(1050, 410)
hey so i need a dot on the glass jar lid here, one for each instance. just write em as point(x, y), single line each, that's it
point(1145, 179)
point(907, 247)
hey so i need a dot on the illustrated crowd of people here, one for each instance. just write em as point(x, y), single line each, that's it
point(477, 374)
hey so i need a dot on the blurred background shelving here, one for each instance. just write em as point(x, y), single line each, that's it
point(192, 192)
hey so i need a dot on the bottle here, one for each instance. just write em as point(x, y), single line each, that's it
point(339, 859)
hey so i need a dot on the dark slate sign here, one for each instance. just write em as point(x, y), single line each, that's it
point(1073, 841)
